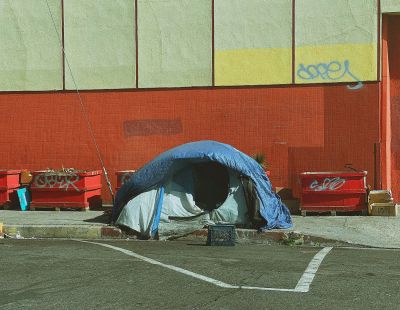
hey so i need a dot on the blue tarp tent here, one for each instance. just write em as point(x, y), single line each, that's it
point(164, 181)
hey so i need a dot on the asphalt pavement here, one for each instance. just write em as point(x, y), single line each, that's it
point(68, 274)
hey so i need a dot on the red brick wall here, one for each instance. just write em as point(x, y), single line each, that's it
point(304, 128)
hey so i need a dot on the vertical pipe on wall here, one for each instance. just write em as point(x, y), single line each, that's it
point(377, 166)
point(212, 45)
point(63, 44)
point(377, 146)
point(385, 126)
point(136, 45)
point(378, 44)
point(293, 41)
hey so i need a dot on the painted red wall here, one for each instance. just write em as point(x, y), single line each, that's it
point(302, 128)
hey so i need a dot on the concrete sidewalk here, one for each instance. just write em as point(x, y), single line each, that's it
point(334, 230)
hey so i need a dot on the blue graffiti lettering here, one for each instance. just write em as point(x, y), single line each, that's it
point(333, 71)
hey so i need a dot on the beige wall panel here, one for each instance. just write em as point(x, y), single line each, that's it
point(30, 50)
point(174, 43)
point(253, 42)
point(339, 44)
point(390, 6)
point(100, 44)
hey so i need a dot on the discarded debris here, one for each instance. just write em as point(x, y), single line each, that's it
point(293, 238)
point(62, 171)
point(17, 236)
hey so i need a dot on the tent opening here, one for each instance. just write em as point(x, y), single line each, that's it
point(211, 185)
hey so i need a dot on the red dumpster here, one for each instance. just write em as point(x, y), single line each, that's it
point(9, 183)
point(72, 189)
point(333, 191)
point(122, 177)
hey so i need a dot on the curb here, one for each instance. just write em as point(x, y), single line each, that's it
point(62, 231)
point(243, 236)
point(273, 237)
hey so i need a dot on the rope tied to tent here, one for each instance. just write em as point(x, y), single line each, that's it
point(82, 105)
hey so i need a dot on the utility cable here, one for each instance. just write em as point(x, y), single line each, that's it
point(83, 107)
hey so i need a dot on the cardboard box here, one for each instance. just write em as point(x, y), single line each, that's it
point(385, 209)
point(380, 196)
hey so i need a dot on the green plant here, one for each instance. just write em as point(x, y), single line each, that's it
point(292, 239)
point(260, 158)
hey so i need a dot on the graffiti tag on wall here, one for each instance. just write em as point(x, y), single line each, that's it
point(328, 184)
point(53, 180)
point(332, 71)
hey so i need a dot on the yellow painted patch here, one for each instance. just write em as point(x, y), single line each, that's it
point(336, 63)
point(263, 66)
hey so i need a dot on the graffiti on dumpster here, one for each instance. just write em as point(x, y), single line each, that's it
point(53, 180)
point(328, 184)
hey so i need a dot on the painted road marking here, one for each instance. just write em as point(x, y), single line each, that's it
point(303, 286)
point(308, 276)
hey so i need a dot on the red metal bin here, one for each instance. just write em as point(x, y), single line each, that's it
point(333, 191)
point(81, 189)
point(9, 183)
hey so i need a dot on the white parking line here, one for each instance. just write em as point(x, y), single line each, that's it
point(303, 286)
point(308, 276)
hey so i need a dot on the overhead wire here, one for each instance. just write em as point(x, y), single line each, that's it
point(82, 104)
